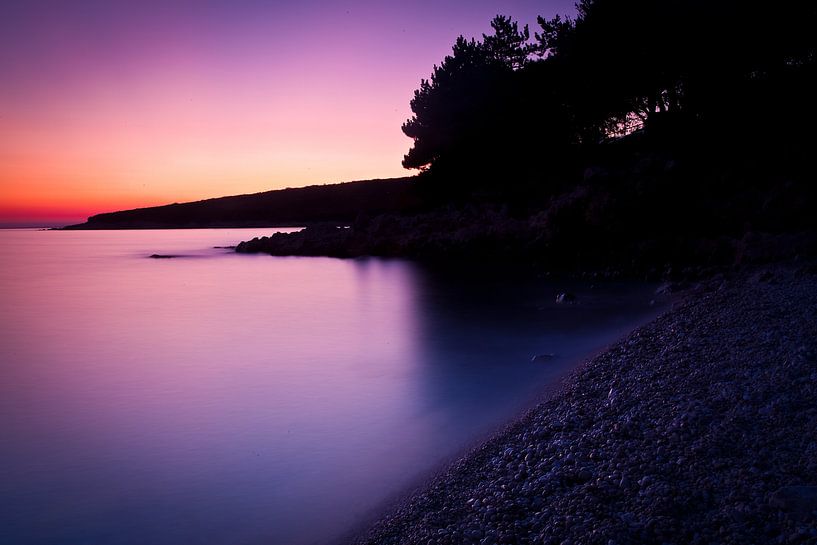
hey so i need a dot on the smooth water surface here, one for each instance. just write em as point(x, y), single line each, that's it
point(218, 398)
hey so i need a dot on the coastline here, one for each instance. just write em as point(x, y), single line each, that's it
point(695, 428)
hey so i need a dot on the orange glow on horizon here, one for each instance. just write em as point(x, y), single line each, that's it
point(108, 105)
point(97, 155)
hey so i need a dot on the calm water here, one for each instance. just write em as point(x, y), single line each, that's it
point(229, 399)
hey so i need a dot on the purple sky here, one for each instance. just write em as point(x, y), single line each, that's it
point(107, 105)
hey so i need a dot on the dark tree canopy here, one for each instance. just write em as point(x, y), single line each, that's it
point(486, 111)
point(507, 46)
point(443, 105)
point(707, 60)
point(509, 105)
point(459, 102)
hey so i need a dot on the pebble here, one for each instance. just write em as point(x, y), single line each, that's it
point(710, 438)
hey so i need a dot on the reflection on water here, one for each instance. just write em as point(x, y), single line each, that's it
point(219, 398)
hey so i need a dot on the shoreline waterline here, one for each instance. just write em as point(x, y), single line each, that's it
point(671, 435)
point(228, 398)
point(479, 442)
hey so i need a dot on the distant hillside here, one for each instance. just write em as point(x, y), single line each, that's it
point(285, 207)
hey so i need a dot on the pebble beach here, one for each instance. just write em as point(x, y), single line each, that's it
point(698, 428)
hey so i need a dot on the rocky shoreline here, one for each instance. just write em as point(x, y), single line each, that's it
point(479, 233)
point(698, 428)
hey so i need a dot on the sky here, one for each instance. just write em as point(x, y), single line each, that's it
point(107, 105)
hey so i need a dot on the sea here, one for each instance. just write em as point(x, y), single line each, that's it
point(219, 398)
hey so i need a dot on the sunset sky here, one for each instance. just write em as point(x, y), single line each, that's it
point(107, 105)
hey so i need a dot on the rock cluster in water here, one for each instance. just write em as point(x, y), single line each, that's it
point(577, 231)
point(698, 428)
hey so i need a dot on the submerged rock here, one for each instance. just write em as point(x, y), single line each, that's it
point(324, 239)
point(542, 357)
point(796, 499)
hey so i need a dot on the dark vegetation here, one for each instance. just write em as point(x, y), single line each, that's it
point(637, 134)
point(285, 207)
point(695, 75)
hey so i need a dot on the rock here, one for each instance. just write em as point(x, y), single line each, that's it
point(795, 499)
point(566, 298)
point(594, 173)
point(765, 276)
point(664, 289)
point(542, 357)
point(163, 256)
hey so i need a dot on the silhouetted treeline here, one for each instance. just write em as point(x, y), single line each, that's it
point(640, 136)
point(340, 203)
point(519, 109)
